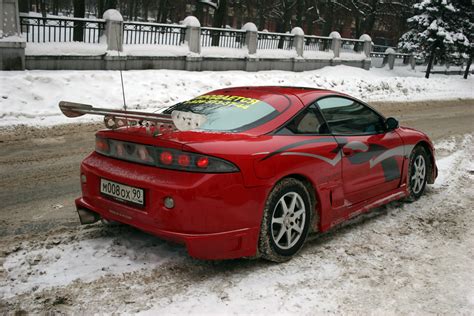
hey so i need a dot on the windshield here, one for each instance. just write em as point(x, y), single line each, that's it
point(228, 113)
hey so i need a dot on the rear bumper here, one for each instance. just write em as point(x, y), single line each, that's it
point(213, 246)
point(215, 215)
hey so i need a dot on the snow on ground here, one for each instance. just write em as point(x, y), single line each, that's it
point(66, 49)
point(402, 259)
point(62, 261)
point(31, 97)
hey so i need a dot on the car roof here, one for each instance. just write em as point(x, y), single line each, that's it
point(305, 94)
point(286, 100)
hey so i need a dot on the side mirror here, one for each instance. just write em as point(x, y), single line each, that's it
point(391, 123)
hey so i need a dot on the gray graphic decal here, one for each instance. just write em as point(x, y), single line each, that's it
point(373, 153)
point(332, 162)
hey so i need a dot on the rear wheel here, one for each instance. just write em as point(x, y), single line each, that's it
point(286, 221)
point(418, 169)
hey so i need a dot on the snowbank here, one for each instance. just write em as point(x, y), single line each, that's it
point(31, 97)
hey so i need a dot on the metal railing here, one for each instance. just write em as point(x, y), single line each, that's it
point(381, 48)
point(381, 59)
point(269, 40)
point(211, 36)
point(39, 29)
point(382, 55)
point(317, 43)
point(153, 33)
point(351, 45)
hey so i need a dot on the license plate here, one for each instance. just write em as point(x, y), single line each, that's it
point(122, 192)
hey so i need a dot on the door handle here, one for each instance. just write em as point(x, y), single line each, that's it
point(348, 151)
point(353, 147)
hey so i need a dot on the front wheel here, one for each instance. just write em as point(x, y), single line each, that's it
point(418, 169)
point(286, 221)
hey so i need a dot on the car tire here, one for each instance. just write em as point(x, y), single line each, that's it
point(286, 221)
point(418, 169)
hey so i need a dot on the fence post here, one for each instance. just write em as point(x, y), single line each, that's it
point(367, 49)
point(367, 44)
point(390, 57)
point(251, 37)
point(412, 61)
point(193, 34)
point(12, 46)
point(113, 29)
point(298, 41)
point(336, 43)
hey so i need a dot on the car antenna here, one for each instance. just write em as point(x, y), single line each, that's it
point(121, 76)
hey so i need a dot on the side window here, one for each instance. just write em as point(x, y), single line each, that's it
point(348, 117)
point(309, 121)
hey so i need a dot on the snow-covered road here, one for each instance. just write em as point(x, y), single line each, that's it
point(403, 258)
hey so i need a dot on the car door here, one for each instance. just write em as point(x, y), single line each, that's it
point(372, 157)
point(309, 149)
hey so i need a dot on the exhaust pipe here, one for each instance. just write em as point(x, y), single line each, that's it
point(87, 217)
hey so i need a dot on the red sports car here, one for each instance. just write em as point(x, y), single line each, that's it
point(249, 171)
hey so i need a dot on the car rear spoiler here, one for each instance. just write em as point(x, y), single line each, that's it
point(118, 118)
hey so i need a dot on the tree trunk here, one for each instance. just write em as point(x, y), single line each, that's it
point(24, 6)
point(100, 8)
point(328, 19)
point(56, 7)
point(430, 62)
point(261, 17)
point(163, 11)
point(300, 12)
point(43, 8)
point(284, 25)
point(358, 27)
point(219, 20)
point(135, 10)
point(110, 4)
point(200, 11)
point(220, 14)
point(79, 12)
point(145, 7)
point(469, 62)
point(370, 19)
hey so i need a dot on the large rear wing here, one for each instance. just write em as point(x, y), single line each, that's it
point(118, 118)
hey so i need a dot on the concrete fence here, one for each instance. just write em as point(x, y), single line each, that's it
point(199, 48)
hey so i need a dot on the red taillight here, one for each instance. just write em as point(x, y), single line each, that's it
point(166, 158)
point(202, 162)
point(184, 160)
point(101, 145)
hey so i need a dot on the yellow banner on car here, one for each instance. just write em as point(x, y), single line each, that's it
point(225, 100)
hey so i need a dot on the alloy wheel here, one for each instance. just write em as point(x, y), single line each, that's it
point(288, 220)
point(418, 174)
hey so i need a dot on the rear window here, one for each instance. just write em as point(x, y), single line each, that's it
point(228, 113)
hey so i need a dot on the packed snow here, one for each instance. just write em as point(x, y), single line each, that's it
point(412, 257)
point(32, 97)
point(62, 263)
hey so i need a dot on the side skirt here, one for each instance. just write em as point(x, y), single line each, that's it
point(364, 207)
